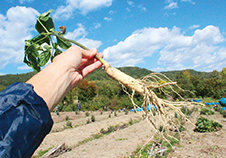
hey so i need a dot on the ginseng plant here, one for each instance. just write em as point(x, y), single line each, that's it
point(43, 47)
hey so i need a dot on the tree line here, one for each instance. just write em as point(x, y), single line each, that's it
point(108, 94)
point(99, 92)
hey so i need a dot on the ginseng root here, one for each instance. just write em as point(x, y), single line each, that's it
point(162, 118)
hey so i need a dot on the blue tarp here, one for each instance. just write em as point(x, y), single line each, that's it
point(138, 109)
point(198, 100)
point(148, 108)
point(151, 107)
point(223, 108)
point(223, 101)
point(207, 104)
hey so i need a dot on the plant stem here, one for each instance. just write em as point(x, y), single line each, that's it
point(43, 25)
point(80, 45)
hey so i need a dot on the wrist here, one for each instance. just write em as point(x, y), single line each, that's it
point(52, 84)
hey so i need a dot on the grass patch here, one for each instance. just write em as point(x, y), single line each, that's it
point(41, 153)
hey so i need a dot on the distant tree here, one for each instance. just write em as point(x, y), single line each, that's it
point(86, 90)
point(183, 80)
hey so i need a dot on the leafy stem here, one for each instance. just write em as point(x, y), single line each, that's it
point(80, 45)
point(42, 25)
point(40, 49)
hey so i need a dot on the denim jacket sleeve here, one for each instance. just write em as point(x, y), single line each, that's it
point(24, 121)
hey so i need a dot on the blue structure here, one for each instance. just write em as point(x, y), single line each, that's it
point(223, 102)
point(198, 100)
point(208, 104)
point(152, 107)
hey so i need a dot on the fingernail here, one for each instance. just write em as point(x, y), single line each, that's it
point(93, 50)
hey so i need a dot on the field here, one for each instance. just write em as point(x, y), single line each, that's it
point(120, 135)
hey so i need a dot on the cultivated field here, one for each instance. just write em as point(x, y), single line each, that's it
point(85, 140)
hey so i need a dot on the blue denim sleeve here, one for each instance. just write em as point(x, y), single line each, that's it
point(24, 121)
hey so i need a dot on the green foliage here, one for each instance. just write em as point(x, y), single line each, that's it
point(76, 112)
point(206, 111)
point(131, 122)
point(9, 79)
point(206, 125)
point(42, 152)
point(218, 108)
point(111, 129)
point(93, 118)
point(161, 129)
point(186, 111)
point(224, 114)
point(2, 88)
point(69, 124)
point(102, 131)
point(40, 49)
point(86, 90)
point(66, 118)
point(87, 113)
point(88, 121)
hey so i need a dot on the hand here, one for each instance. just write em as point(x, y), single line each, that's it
point(65, 72)
point(79, 62)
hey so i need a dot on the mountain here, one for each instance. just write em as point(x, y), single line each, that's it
point(172, 74)
point(99, 75)
point(135, 72)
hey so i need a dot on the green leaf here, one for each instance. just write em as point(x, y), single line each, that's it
point(41, 39)
point(44, 57)
point(47, 47)
point(63, 44)
point(31, 48)
point(33, 62)
point(26, 61)
point(57, 51)
point(45, 23)
point(44, 16)
point(45, 26)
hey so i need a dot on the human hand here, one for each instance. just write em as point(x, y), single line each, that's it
point(65, 72)
point(78, 62)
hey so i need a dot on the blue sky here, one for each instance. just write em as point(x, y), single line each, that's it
point(158, 35)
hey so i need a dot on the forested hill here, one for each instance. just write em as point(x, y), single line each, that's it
point(99, 75)
point(172, 74)
point(135, 72)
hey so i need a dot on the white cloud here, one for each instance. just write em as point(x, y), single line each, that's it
point(107, 18)
point(84, 7)
point(24, 1)
point(142, 8)
point(171, 5)
point(15, 27)
point(188, 1)
point(177, 51)
point(24, 67)
point(112, 12)
point(127, 9)
point(80, 34)
point(130, 3)
point(97, 25)
point(194, 27)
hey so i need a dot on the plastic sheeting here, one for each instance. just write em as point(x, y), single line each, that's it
point(223, 102)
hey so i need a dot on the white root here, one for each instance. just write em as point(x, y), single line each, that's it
point(165, 114)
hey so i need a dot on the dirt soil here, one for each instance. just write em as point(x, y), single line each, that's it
point(206, 145)
point(123, 142)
